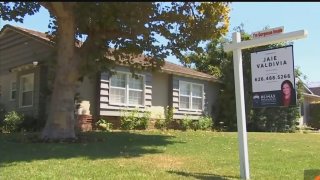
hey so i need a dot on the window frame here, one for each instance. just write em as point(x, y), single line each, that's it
point(21, 91)
point(127, 90)
point(11, 90)
point(190, 96)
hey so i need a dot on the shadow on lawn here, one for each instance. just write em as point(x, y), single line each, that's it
point(94, 145)
point(203, 176)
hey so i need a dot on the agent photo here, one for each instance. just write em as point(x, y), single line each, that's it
point(288, 97)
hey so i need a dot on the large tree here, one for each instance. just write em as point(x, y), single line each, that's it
point(116, 33)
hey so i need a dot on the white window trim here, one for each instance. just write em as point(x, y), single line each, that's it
point(20, 90)
point(127, 89)
point(190, 96)
point(12, 90)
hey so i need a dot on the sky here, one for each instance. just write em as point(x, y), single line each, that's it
point(255, 16)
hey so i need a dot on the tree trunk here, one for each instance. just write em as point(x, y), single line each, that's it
point(60, 123)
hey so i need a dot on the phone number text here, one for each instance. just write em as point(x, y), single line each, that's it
point(272, 77)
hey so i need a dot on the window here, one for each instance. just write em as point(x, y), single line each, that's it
point(13, 91)
point(190, 96)
point(126, 90)
point(26, 90)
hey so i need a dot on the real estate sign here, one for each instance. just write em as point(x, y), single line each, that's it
point(268, 32)
point(273, 81)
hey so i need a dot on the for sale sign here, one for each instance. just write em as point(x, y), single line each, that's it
point(273, 81)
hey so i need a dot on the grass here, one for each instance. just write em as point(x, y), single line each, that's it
point(159, 155)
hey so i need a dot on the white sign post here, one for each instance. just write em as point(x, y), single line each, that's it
point(236, 46)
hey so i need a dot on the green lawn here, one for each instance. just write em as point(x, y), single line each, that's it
point(159, 155)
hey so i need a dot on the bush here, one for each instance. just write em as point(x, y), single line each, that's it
point(142, 122)
point(132, 120)
point(126, 123)
point(315, 116)
point(31, 124)
point(273, 119)
point(104, 125)
point(167, 122)
point(194, 124)
point(185, 123)
point(169, 117)
point(12, 121)
point(160, 124)
point(2, 112)
point(205, 123)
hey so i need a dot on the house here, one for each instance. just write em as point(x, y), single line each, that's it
point(24, 81)
point(310, 95)
point(315, 90)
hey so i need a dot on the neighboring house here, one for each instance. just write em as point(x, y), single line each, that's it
point(24, 79)
point(310, 95)
point(315, 90)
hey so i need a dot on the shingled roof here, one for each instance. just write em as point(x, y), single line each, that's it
point(34, 33)
point(168, 67)
point(315, 90)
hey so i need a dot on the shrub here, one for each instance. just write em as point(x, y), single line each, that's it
point(194, 124)
point(127, 120)
point(168, 116)
point(104, 125)
point(160, 124)
point(2, 112)
point(12, 121)
point(185, 123)
point(205, 122)
point(30, 123)
point(132, 120)
point(142, 122)
point(314, 116)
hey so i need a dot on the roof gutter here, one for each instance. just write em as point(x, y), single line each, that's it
point(192, 76)
point(311, 95)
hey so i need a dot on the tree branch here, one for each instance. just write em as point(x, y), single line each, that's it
point(59, 9)
point(46, 5)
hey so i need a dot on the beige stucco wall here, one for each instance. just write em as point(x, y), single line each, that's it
point(10, 105)
point(5, 83)
point(160, 91)
point(87, 90)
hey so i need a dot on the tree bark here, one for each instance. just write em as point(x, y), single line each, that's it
point(61, 123)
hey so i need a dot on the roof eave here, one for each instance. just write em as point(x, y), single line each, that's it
point(311, 95)
point(212, 79)
point(37, 38)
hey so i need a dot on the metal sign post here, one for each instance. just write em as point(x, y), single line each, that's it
point(236, 46)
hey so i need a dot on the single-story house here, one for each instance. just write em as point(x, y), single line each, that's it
point(310, 95)
point(24, 79)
